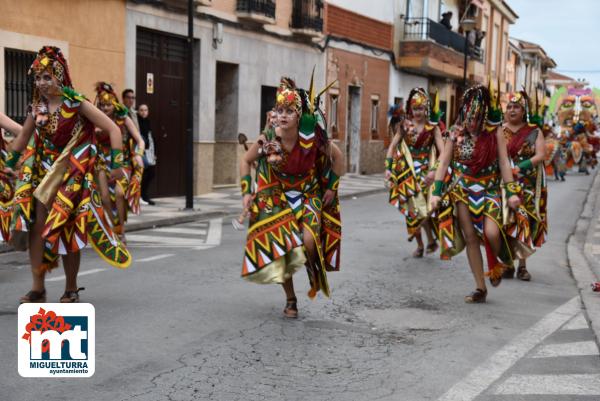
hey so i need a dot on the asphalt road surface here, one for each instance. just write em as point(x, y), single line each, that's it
point(180, 324)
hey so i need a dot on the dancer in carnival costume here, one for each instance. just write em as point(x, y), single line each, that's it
point(125, 193)
point(472, 205)
point(410, 165)
point(293, 204)
point(527, 150)
point(6, 180)
point(57, 208)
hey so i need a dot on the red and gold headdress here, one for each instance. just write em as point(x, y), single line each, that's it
point(51, 59)
point(417, 97)
point(288, 95)
point(106, 94)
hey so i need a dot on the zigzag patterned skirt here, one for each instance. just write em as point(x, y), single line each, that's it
point(284, 208)
point(75, 213)
point(483, 198)
point(408, 192)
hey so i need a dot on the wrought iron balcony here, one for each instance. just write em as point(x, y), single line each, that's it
point(262, 11)
point(425, 28)
point(307, 17)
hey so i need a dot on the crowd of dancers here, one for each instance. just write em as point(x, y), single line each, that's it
point(74, 171)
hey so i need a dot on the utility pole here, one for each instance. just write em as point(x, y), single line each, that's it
point(189, 167)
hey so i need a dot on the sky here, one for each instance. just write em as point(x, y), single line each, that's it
point(568, 30)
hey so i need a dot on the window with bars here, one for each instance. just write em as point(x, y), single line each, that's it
point(374, 118)
point(333, 115)
point(17, 84)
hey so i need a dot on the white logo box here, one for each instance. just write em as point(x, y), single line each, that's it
point(79, 359)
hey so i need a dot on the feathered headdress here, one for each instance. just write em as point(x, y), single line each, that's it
point(478, 104)
point(106, 94)
point(288, 95)
point(522, 99)
point(51, 59)
point(417, 97)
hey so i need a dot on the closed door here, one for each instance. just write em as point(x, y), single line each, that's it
point(163, 58)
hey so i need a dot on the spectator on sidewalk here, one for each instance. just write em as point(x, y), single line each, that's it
point(149, 154)
point(128, 97)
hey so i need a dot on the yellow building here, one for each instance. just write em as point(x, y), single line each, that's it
point(91, 33)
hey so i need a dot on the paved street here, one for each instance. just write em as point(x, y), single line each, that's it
point(180, 324)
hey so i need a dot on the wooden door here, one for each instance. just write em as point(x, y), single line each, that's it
point(165, 57)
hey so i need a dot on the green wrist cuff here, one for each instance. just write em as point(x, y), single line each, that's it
point(245, 183)
point(525, 165)
point(12, 158)
point(334, 181)
point(388, 163)
point(116, 158)
point(437, 188)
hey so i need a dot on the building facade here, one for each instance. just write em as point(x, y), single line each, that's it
point(358, 53)
point(466, 48)
point(95, 51)
point(242, 49)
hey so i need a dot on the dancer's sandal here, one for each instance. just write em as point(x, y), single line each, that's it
point(418, 253)
point(432, 247)
point(509, 273)
point(523, 274)
point(291, 308)
point(71, 296)
point(33, 297)
point(476, 297)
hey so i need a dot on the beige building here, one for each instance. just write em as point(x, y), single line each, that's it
point(242, 48)
point(91, 34)
point(528, 68)
point(426, 47)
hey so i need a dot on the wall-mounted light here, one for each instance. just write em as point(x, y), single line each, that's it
point(217, 34)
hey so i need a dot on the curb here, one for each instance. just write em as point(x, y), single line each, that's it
point(199, 215)
point(579, 264)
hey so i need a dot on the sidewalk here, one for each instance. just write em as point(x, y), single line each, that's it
point(226, 202)
point(583, 254)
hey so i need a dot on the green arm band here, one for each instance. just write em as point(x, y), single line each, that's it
point(437, 188)
point(116, 158)
point(334, 181)
point(388, 163)
point(12, 158)
point(525, 165)
point(512, 188)
point(245, 183)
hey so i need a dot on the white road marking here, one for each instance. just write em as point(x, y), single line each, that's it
point(577, 323)
point(566, 349)
point(163, 241)
point(83, 273)
point(180, 230)
point(584, 384)
point(157, 257)
point(488, 372)
point(214, 232)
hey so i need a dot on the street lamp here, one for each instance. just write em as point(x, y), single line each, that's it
point(467, 23)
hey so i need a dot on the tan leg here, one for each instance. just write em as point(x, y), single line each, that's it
point(36, 246)
point(71, 263)
point(473, 245)
point(121, 206)
point(102, 181)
